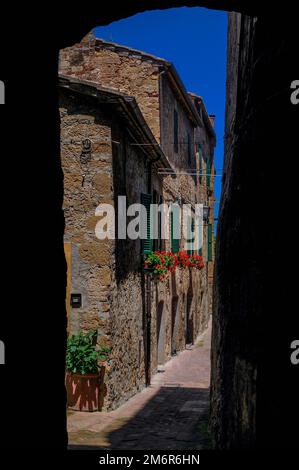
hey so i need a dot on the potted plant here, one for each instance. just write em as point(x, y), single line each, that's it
point(85, 370)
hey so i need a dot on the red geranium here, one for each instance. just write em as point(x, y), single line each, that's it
point(163, 262)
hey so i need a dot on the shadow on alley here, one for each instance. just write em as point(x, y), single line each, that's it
point(172, 413)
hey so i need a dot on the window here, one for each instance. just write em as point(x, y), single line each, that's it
point(210, 242)
point(175, 131)
point(147, 243)
point(157, 242)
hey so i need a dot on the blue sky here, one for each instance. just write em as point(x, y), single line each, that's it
point(194, 39)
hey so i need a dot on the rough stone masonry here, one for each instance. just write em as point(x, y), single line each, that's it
point(159, 318)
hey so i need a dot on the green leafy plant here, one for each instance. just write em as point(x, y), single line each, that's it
point(82, 356)
point(160, 263)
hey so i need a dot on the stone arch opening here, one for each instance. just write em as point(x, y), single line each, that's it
point(235, 427)
point(245, 437)
point(248, 324)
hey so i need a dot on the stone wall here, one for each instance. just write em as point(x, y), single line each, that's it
point(120, 70)
point(169, 102)
point(203, 137)
point(106, 273)
point(253, 392)
point(85, 187)
point(160, 318)
point(127, 289)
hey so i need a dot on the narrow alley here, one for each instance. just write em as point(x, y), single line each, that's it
point(170, 414)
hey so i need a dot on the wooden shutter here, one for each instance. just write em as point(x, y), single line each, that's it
point(147, 243)
point(210, 242)
point(175, 242)
point(175, 131)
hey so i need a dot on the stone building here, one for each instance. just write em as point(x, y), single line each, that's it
point(129, 127)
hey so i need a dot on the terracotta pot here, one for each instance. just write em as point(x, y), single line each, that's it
point(85, 392)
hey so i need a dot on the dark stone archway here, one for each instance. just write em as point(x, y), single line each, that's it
point(253, 386)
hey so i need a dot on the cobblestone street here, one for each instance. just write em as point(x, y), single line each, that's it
point(170, 414)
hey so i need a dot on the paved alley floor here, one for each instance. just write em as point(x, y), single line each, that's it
point(170, 414)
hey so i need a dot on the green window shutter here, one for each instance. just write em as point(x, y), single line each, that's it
point(147, 243)
point(210, 242)
point(175, 242)
point(175, 131)
point(208, 172)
